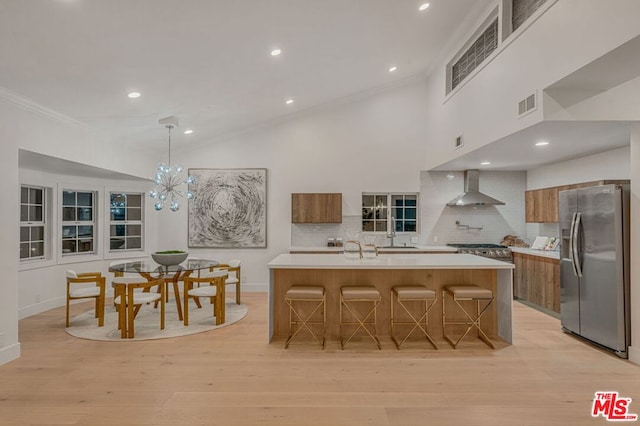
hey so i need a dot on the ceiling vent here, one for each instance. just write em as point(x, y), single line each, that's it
point(527, 105)
point(459, 142)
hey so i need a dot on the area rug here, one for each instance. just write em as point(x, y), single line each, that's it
point(147, 325)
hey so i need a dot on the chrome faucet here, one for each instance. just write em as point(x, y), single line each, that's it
point(391, 234)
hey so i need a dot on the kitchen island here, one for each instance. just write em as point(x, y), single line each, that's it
point(384, 272)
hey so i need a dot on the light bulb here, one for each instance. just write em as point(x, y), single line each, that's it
point(163, 197)
point(179, 168)
point(158, 206)
point(189, 195)
point(153, 193)
point(161, 167)
point(174, 206)
point(191, 179)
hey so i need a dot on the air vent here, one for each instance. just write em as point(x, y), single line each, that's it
point(526, 105)
point(459, 142)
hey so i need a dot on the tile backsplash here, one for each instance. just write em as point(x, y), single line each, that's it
point(437, 220)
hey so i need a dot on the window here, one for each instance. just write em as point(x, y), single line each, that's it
point(32, 223)
point(521, 10)
point(404, 208)
point(78, 222)
point(481, 48)
point(381, 210)
point(125, 223)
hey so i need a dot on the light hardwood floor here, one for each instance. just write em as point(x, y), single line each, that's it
point(231, 376)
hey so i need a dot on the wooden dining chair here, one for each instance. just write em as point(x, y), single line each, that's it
point(214, 290)
point(233, 267)
point(77, 288)
point(131, 295)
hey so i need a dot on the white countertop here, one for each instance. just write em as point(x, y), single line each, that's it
point(542, 253)
point(399, 248)
point(393, 261)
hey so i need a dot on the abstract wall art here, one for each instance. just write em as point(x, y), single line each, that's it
point(229, 208)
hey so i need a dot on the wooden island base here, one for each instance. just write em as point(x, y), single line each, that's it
point(384, 272)
point(383, 280)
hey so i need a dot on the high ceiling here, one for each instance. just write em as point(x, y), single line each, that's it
point(208, 62)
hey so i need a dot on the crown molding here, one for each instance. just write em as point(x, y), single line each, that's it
point(32, 106)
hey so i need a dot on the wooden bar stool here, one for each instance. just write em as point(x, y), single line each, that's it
point(460, 293)
point(349, 298)
point(410, 294)
point(310, 295)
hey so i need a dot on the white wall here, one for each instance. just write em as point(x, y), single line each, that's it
point(569, 35)
point(10, 131)
point(613, 164)
point(374, 143)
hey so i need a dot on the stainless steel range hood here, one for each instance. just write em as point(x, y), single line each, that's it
point(472, 195)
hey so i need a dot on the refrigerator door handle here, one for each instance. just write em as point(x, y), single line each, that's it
point(572, 238)
point(575, 246)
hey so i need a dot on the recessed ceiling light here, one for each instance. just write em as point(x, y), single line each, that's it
point(134, 95)
point(393, 68)
point(423, 7)
point(188, 132)
point(485, 163)
point(289, 101)
point(276, 52)
point(542, 143)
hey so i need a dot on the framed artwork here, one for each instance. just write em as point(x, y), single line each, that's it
point(228, 209)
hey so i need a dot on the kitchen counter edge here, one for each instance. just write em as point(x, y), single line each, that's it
point(541, 253)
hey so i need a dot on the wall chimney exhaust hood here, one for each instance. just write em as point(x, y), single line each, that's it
point(472, 195)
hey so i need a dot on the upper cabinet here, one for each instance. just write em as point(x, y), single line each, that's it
point(316, 208)
point(541, 205)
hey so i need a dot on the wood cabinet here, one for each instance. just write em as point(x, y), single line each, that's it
point(537, 280)
point(541, 205)
point(316, 208)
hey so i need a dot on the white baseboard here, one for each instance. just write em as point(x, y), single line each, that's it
point(9, 353)
point(37, 308)
point(634, 355)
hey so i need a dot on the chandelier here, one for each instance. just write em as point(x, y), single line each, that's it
point(168, 178)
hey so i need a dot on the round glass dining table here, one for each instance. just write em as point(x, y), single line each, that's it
point(151, 270)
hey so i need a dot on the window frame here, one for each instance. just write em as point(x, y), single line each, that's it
point(44, 223)
point(126, 222)
point(486, 23)
point(94, 222)
point(388, 212)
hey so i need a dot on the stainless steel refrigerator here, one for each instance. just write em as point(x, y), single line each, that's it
point(594, 267)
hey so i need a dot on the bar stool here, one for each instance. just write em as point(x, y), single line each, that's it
point(314, 295)
point(349, 296)
point(467, 292)
point(412, 293)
